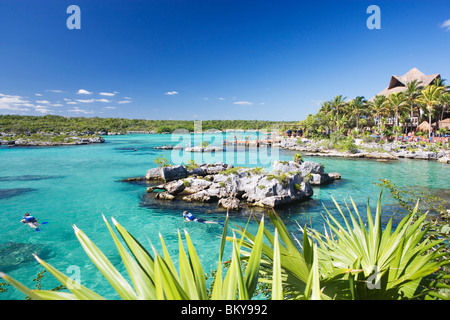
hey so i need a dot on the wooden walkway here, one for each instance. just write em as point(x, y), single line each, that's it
point(253, 143)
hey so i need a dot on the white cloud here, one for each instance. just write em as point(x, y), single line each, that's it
point(124, 101)
point(446, 25)
point(14, 103)
point(13, 108)
point(78, 110)
point(92, 100)
point(72, 102)
point(42, 109)
point(57, 105)
point(127, 98)
point(171, 93)
point(43, 101)
point(243, 103)
point(38, 94)
point(108, 94)
point(112, 108)
point(55, 91)
point(221, 98)
point(82, 91)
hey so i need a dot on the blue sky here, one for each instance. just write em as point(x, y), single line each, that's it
point(210, 59)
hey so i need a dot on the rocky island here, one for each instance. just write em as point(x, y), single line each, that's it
point(48, 139)
point(233, 187)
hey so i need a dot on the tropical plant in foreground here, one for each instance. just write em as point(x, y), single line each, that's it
point(359, 261)
point(155, 276)
point(348, 261)
point(384, 263)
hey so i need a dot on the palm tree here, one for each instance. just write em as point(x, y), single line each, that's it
point(326, 115)
point(396, 102)
point(444, 100)
point(378, 107)
point(326, 107)
point(412, 92)
point(430, 98)
point(357, 106)
point(439, 82)
point(337, 104)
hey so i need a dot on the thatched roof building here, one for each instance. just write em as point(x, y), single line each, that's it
point(444, 124)
point(424, 126)
point(399, 83)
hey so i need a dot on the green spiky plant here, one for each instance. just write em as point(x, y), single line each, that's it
point(356, 261)
point(154, 277)
point(337, 265)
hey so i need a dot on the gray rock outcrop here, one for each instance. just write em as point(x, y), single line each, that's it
point(170, 173)
point(287, 182)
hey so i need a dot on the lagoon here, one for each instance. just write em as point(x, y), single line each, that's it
point(75, 185)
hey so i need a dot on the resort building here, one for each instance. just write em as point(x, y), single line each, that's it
point(399, 83)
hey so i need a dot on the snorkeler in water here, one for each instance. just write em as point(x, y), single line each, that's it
point(31, 221)
point(190, 217)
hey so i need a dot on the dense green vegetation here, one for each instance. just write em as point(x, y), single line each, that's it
point(50, 123)
point(386, 115)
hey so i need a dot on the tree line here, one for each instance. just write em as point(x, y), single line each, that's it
point(57, 124)
point(389, 115)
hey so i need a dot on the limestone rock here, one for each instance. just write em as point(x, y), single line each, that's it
point(174, 187)
point(154, 174)
point(164, 195)
point(287, 182)
point(174, 172)
point(230, 203)
point(335, 175)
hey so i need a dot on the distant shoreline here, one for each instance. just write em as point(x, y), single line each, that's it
point(369, 150)
point(48, 140)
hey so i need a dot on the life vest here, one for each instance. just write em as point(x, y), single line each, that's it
point(190, 216)
point(29, 219)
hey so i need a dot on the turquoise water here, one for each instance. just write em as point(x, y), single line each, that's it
point(75, 185)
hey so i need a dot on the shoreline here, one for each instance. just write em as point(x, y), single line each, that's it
point(387, 151)
point(372, 150)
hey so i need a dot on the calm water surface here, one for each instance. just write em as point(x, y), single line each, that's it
point(75, 185)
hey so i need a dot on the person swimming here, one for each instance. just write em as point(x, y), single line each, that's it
point(31, 221)
point(188, 217)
